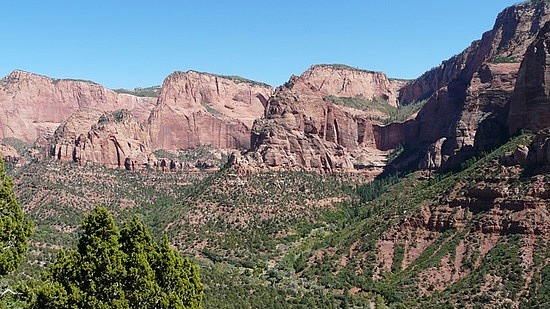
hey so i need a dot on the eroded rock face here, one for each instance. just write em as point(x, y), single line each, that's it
point(33, 106)
point(469, 94)
point(515, 28)
point(197, 109)
point(530, 106)
point(194, 109)
point(304, 129)
point(343, 81)
point(116, 140)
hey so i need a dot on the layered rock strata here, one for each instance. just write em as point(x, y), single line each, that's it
point(33, 106)
point(306, 126)
point(197, 109)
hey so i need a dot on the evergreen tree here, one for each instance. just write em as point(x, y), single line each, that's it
point(119, 270)
point(140, 284)
point(178, 278)
point(14, 228)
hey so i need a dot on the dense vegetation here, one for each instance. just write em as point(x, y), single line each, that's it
point(296, 239)
point(118, 270)
point(14, 227)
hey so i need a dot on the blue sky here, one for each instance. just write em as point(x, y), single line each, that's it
point(127, 44)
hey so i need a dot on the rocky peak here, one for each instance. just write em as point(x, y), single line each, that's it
point(306, 126)
point(469, 94)
point(345, 81)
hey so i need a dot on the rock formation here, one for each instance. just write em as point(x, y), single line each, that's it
point(344, 81)
point(469, 94)
point(327, 119)
point(115, 140)
point(194, 109)
point(515, 28)
point(197, 109)
point(8, 153)
point(536, 155)
point(33, 105)
point(530, 106)
point(307, 126)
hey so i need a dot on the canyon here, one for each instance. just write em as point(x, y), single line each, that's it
point(342, 183)
point(332, 118)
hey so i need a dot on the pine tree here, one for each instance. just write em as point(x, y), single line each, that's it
point(14, 228)
point(88, 277)
point(178, 278)
point(142, 289)
point(119, 270)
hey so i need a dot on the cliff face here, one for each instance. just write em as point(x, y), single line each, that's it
point(193, 109)
point(202, 109)
point(306, 125)
point(32, 106)
point(530, 105)
point(344, 81)
point(515, 28)
point(326, 119)
point(469, 95)
point(116, 140)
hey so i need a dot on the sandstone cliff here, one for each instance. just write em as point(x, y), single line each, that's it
point(308, 125)
point(32, 106)
point(515, 28)
point(116, 140)
point(197, 109)
point(94, 124)
point(530, 106)
point(344, 81)
point(468, 110)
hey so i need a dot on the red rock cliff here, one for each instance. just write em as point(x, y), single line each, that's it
point(530, 106)
point(515, 28)
point(33, 105)
point(305, 128)
point(116, 140)
point(468, 109)
point(203, 109)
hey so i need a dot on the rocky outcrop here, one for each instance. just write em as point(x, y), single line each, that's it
point(344, 81)
point(303, 128)
point(33, 105)
point(537, 154)
point(197, 109)
point(530, 106)
point(116, 140)
point(8, 153)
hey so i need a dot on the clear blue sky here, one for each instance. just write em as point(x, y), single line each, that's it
point(126, 44)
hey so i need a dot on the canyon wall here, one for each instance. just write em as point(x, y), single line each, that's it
point(33, 106)
point(204, 109)
point(310, 121)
